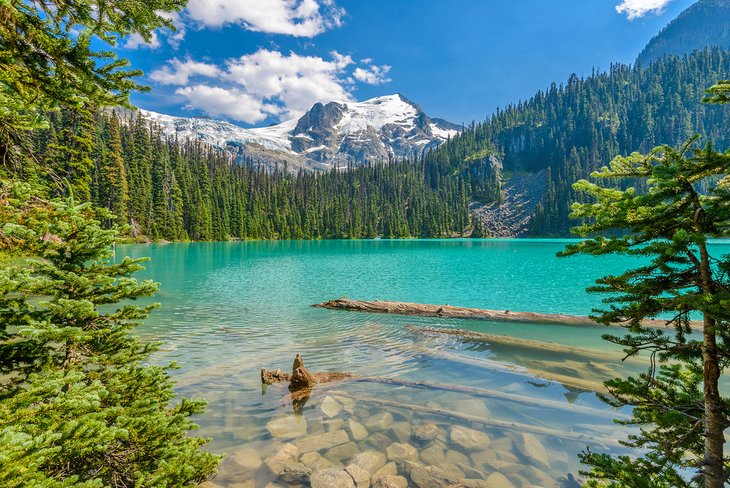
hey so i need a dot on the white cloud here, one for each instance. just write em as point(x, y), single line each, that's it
point(174, 38)
point(179, 72)
point(263, 84)
point(227, 102)
point(135, 41)
point(303, 18)
point(639, 8)
point(372, 75)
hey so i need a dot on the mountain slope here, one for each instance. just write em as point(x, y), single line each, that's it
point(336, 133)
point(704, 24)
point(562, 134)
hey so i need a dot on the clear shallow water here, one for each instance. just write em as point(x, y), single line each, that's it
point(229, 309)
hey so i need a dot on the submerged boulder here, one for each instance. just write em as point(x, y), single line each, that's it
point(331, 478)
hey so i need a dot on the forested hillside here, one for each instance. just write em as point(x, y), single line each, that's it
point(705, 23)
point(177, 190)
point(571, 129)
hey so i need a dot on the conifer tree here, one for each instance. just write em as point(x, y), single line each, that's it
point(677, 404)
point(79, 406)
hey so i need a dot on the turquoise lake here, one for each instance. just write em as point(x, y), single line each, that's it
point(230, 309)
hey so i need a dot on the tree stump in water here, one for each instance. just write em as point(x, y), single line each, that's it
point(269, 377)
point(301, 378)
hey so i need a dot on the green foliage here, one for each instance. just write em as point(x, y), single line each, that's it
point(47, 60)
point(682, 200)
point(166, 189)
point(79, 405)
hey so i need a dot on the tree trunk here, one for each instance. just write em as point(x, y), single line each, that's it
point(713, 465)
point(714, 469)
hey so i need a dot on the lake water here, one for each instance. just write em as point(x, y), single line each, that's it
point(513, 414)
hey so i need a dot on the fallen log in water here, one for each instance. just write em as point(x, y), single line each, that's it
point(517, 342)
point(448, 311)
point(591, 439)
point(297, 388)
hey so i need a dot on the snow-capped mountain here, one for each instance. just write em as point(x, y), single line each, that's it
point(331, 134)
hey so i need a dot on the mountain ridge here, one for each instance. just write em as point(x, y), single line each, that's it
point(705, 23)
point(328, 135)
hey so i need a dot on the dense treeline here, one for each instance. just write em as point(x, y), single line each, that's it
point(177, 190)
point(572, 129)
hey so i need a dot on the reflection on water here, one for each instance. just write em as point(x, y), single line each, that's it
point(229, 309)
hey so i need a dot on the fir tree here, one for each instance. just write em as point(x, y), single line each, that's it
point(80, 405)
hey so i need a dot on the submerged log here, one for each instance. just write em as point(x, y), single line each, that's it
point(426, 310)
point(529, 344)
point(591, 438)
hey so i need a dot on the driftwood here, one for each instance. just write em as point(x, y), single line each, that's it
point(501, 424)
point(448, 311)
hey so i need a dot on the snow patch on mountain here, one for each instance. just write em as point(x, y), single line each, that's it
point(335, 133)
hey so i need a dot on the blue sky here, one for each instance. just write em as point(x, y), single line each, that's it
point(256, 62)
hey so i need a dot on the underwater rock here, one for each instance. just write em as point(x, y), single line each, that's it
point(240, 463)
point(296, 473)
point(433, 455)
point(370, 461)
point(426, 432)
point(498, 480)
point(402, 431)
point(436, 476)
point(331, 478)
point(242, 484)
point(357, 431)
point(287, 427)
point(330, 407)
point(469, 439)
point(398, 452)
point(379, 421)
point(342, 452)
point(315, 461)
point(532, 450)
point(392, 481)
point(379, 441)
point(390, 469)
point(287, 456)
point(348, 404)
point(359, 475)
point(322, 441)
point(334, 424)
point(456, 458)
